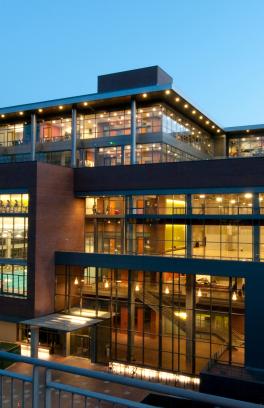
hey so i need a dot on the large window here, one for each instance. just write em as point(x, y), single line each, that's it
point(13, 280)
point(13, 237)
point(13, 203)
point(246, 146)
point(222, 204)
point(14, 134)
point(54, 130)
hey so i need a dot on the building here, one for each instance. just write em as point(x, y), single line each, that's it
point(144, 244)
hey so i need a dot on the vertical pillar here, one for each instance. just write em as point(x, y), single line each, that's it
point(131, 317)
point(190, 323)
point(34, 341)
point(67, 349)
point(33, 136)
point(74, 138)
point(188, 226)
point(254, 325)
point(220, 147)
point(133, 132)
point(256, 228)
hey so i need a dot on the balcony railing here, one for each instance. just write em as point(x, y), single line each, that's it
point(41, 388)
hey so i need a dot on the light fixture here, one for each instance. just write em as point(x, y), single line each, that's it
point(207, 122)
point(106, 284)
point(85, 103)
point(167, 92)
point(194, 112)
point(76, 282)
point(234, 296)
point(213, 126)
point(248, 130)
point(248, 195)
point(186, 105)
point(2, 116)
point(201, 117)
point(60, 107)
point(21, 113)
point(202, 196)
point(167, 290)
point(218, 130)
point(199, 293)
point(232, 201)
point(137, 288)
point(145, 95)
point(219, 199)
point(40, 110)
point(177, 99)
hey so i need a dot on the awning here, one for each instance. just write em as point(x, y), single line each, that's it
point(62, 322)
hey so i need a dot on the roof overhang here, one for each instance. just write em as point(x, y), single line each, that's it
point(62, 322)
point(112, 100)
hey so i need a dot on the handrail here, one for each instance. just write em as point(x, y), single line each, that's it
point(157, 388)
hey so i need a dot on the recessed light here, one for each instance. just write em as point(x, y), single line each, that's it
point(201, 117)
point(167, 92)
point(145, 95)
point(60, 107)
point(218, 130)
point(248, 130)
point(194, 112)
point(40, 110)
point(213, 126)
point(186, 105)
point(177, 99)
point(2, 116)
point(85, 103)
point(207, 122)
point(21, 113)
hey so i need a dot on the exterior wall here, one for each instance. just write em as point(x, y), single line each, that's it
point(8, 332)
point(59, 226)
point(181, 175)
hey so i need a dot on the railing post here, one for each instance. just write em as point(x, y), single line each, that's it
point(47, 389)
point(33, 136)
point(35, 387)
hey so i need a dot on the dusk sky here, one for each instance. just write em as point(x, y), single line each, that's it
point(212, 48)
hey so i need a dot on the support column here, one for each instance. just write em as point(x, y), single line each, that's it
point(188, 226)
point(33, 136)
point(133, 158)
point(190, 323)
point(220, 146)
point(34, 341)
point(256, 228)
point(131, 317)
point(74, 138)
point(67, 350)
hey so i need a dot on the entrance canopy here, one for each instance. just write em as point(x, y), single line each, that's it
point(62, 322)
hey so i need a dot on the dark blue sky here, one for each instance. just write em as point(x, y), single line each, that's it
point(214, 50)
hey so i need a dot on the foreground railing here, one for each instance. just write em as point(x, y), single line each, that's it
point(40, 389)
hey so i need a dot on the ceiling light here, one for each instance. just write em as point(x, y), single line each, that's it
point(85, 103)
point(219, 199)
point(60, 107)
point(40, 110)
point(248, 195)
point(194, 112)
point(2, 116)
point(21, 113)
point(167, 92)
point(186, 105)
point(177, 99)
point(213, 126)
point(218, 131)
point(201, 117)
point(145, 95)
point(202, 196)
point(248, 130)
point(207, 122)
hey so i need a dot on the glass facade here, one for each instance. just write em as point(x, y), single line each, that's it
point(54, 130)
point(13, 203)
point(163, 320)
point(164, 225)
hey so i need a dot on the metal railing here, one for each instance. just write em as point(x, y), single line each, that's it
point(40, 389)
